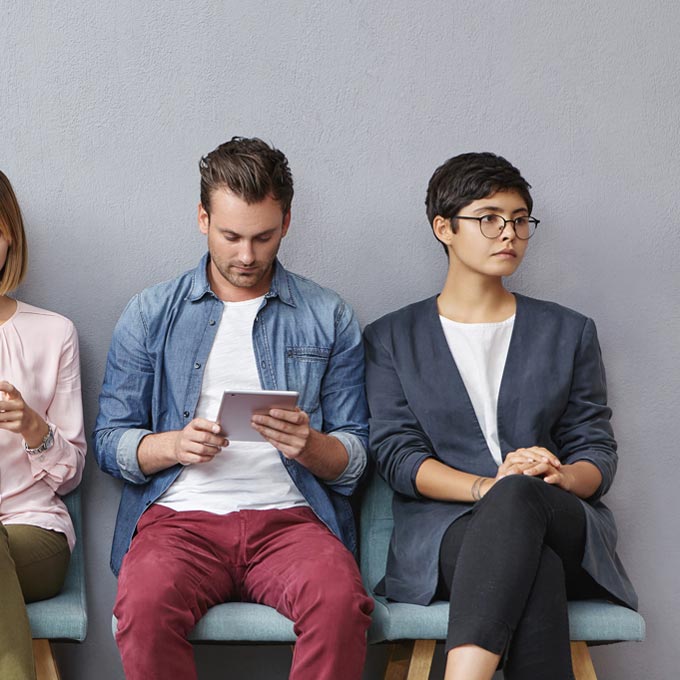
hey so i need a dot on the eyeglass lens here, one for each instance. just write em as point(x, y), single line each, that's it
point(492, 225)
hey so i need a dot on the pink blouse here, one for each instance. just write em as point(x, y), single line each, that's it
point(39, 356)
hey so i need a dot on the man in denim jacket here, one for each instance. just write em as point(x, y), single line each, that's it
point(203, 520)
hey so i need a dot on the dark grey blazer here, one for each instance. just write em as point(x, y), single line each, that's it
point(553, 394)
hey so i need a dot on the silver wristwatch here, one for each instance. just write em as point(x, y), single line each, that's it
point(46, 444)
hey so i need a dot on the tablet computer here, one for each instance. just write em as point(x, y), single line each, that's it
point(238, 406)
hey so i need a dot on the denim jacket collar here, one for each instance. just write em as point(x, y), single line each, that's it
point(280, 286)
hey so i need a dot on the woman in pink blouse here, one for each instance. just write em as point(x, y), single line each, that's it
point(42, 447)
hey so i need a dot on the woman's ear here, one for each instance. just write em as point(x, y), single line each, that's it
point(443, 230)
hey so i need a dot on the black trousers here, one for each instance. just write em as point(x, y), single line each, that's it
point(507, 568)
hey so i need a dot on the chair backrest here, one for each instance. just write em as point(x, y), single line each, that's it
point(75, 577)
point(376, 529)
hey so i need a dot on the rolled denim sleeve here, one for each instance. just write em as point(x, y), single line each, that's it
point(356, 452)
point(584, 431)
point(126, 455)
point(343, 399)
point(124, 417)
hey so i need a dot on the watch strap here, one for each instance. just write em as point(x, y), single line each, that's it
point(46, 443)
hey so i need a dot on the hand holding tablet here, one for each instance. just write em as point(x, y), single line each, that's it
point(238, 407)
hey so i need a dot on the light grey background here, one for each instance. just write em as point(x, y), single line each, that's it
point(106, 108)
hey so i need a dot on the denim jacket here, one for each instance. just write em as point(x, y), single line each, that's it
point(305, 338)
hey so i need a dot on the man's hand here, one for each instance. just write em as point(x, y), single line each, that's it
point(287, 431)
point(18, 417)
point(199, 442)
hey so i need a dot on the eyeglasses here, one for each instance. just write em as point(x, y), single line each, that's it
point(492, 226)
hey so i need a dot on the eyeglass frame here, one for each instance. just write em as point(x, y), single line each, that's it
point(530, 218)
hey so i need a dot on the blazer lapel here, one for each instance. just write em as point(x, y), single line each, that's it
point(519, 378)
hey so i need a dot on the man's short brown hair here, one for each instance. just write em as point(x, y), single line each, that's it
point(12, 228)
point(249, 168)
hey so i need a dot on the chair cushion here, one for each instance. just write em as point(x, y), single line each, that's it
point(593, 621)
point(600, 622)
point(60, 618)
point(240, 622)
point(243, 621)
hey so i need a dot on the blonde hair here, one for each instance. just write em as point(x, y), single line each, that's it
point(12, 228)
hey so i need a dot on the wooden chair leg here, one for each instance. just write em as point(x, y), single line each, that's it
point(421, 661)
point(400, 658)
point(581, 661)
point(45, 663)
point(410, 660)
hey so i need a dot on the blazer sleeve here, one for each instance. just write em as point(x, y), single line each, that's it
point(397, 442)
point(584, 431)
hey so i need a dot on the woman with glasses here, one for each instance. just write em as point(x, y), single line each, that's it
point(42, 447)
point(489, 420)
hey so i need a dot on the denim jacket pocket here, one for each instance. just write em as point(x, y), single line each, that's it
point(305, 368)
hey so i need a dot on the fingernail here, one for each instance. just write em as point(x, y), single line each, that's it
point(215, 428)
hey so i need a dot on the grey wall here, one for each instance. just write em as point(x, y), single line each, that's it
point(105, 109)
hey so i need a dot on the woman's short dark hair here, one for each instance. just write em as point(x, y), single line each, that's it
point(12, 228)
point(249, 168)
point(469, 177)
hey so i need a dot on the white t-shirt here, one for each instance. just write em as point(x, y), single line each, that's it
point(244, 475)
point(480, 351)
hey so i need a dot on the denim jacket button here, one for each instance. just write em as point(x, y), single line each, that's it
point(211, 322)
point(197, 365)
point(186, 414)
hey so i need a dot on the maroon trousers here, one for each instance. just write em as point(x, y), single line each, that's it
point(182, 563)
